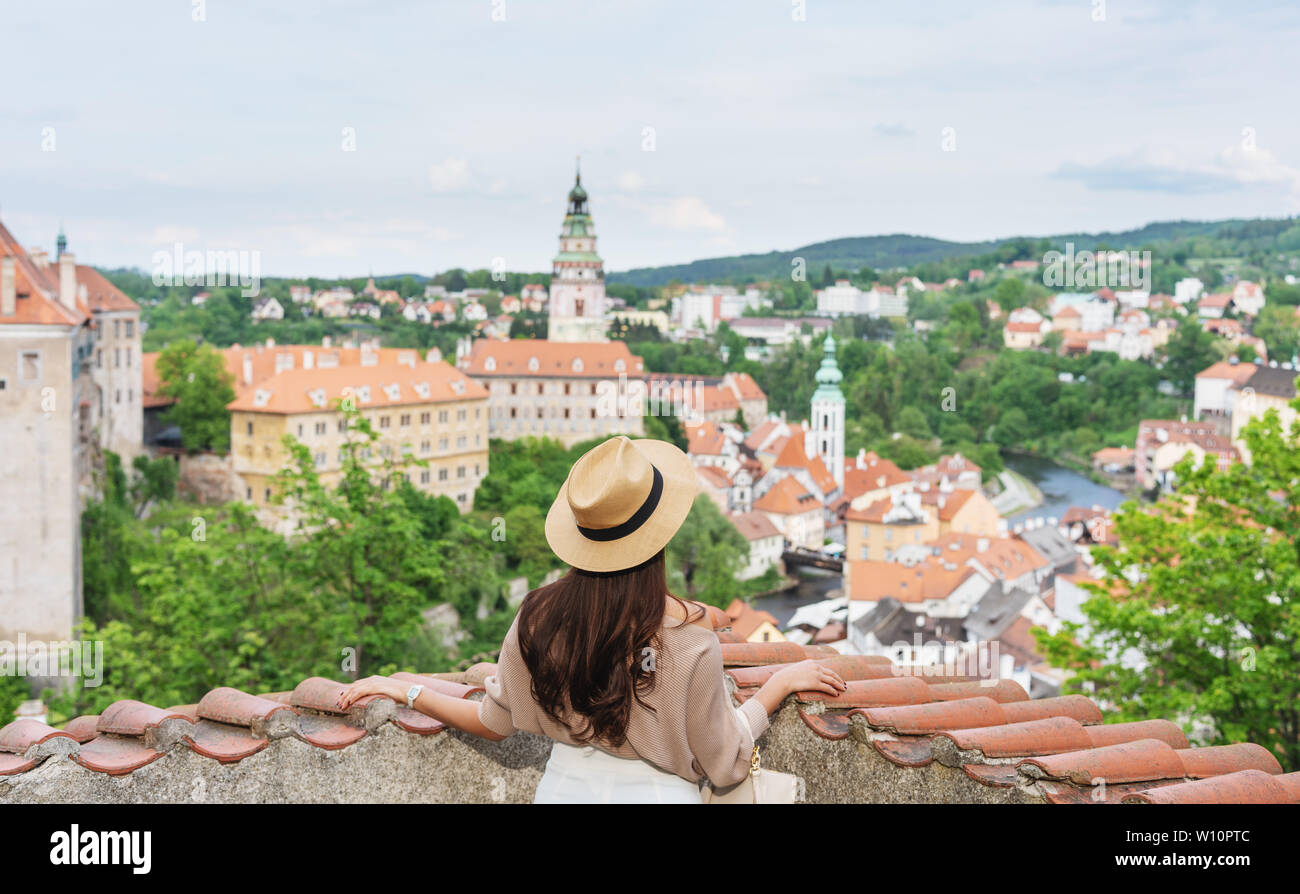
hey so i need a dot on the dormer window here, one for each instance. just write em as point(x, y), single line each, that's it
point(363, 394)
point(490, 364)
point(577, 364)
point(393, 391)
point(619, 365)
point(533, 365)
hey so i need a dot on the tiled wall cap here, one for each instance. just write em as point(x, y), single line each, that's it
point(82, 728)
point(1080, 707)
point(1217, 760)
point(874, 694)
point(1242, 787)
point(26, 733)
point(915, 720)
point(132, 718)
point(1141, 761)
point(1051, 735)
point(233, 706)
point(1002, 691)
point(1113, 733)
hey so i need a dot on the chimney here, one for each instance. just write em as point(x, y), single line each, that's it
point(68, 280)
point(8, 295)
point(325, 342)
point(248, 369)
point(40, 259)
point(308, 359)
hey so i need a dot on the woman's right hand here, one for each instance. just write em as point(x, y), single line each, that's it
point(810, 676)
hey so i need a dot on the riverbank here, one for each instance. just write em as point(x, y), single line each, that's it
point(1018, 494)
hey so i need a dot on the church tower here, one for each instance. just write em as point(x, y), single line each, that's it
point(828, 413)
point(577, 311)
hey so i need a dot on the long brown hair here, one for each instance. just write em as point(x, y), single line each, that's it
point(584, 640)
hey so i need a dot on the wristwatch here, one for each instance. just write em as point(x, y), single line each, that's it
point(412, 694)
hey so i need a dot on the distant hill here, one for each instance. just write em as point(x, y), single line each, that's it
point(897, 250)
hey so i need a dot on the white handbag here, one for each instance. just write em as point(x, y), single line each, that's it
point(759, 787)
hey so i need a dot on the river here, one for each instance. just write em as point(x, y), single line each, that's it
point(1061, 487)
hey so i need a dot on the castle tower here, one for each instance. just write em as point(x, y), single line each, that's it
point(828, 413)
point(577, 310)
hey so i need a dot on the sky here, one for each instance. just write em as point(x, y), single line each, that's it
point(342, 138)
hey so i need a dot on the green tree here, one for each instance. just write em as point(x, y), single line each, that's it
point(195, 376)
point(1190, 350)
point(359, 546)
point(1205, 591)
point(705, 554)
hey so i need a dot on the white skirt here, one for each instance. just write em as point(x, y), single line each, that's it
point(587, 775)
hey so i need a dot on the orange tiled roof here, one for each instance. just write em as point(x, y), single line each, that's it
point(554, 359)
point(947, 503)
point(787, 497)
point(384, 385)
point(704, 439)
point(713, 475)
point(754, 525)
point(1236, 372)
point(1005, 558)
point(792, 456)
point(873, 580)
point(745, 619)
point(36, 290)
point(879, 473)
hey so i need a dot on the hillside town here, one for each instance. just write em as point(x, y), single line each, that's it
point(929, 570)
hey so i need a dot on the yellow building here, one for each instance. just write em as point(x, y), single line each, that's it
point(427, 411)
point(874, 532)
point(963, 511)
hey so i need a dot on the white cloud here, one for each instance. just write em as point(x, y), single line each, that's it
point(686, 213)
point(450, 175)
point(174, 234)
point(1162, 169)
point(631, 181)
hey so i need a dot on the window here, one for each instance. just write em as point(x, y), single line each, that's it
point(514, 389)
point(320, 460)
point(300, 429)
point(321, 428)
point(442, 474)
point(267, 496)
point(424, 477)
point(130, 328)
point(117, 328)
point(384, 420)
point(512, 413)
point(442, 415)
point(462, 415)
point(117, 356)
point(539, 412)
point(405, 421)
point(442, 443)
point(343, 426)
point(461, 441)
point(426, 418)
point(593, 412)
point(117, 396)
point(29, 367)
point(566, 389)
point(99, 359)
point(128, 357)
point(566, 412)
point(426, 447)
point(250, 492)
point(460, 471)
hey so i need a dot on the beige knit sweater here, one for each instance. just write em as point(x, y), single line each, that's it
point(695, 731)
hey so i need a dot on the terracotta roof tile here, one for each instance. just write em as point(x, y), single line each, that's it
point(1141, 761)
point(1241, 787)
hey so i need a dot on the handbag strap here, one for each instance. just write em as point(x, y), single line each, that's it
point(754, 768)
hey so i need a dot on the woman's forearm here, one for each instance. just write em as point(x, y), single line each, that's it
point(772, 693)
point(458, 712)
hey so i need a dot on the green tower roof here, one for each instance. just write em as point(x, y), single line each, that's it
point(828, 375)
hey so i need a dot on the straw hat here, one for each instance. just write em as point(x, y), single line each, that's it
point(621, 504)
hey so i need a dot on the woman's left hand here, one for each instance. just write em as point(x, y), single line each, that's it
point(394, 689)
